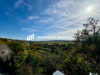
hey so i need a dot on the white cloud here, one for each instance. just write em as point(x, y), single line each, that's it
point(65, 15)
point(7, 13)
point(68, 34)
point(28, 29)
point(32, 17)
point(69, 15)
point(46, 20)
point(18, 3)
point(28, 6)
point(27, 19)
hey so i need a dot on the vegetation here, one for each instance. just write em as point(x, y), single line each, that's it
point(77, 57)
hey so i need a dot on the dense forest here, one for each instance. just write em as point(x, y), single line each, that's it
point(78, 57)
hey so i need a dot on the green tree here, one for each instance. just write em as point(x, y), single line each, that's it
point(75, 65)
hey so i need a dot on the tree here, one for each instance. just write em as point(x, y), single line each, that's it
point(33, 61)
point(90, 31)
point(19, 56)
point(75, 65)
point(89, 38)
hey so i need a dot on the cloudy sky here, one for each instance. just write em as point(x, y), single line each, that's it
point(20, 18)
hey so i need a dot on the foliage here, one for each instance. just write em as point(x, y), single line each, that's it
point(77, 57)
point(75, 65)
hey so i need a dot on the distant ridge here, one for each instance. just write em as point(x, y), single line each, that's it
point(37, 40)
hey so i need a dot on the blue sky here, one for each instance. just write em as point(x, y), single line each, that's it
point(20, 18)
